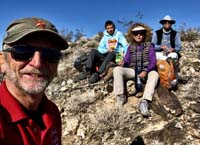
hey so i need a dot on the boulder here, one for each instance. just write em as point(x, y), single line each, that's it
point(165, 103)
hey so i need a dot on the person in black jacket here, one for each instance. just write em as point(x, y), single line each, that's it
point(167, 41)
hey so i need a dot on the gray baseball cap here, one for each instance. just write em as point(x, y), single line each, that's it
point(22, 28)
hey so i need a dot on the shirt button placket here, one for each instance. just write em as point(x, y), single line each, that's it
point(35, 131)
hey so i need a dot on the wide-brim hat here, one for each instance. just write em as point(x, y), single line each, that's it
point(22, 28)
point(167, 18)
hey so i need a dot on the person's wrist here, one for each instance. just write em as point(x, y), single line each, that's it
point(145, 70)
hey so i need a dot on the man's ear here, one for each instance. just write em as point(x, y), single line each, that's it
point(2, 64)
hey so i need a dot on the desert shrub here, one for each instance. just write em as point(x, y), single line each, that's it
point(189, 34)
point(70, 35)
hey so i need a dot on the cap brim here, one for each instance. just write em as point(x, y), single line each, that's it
point(18, 36)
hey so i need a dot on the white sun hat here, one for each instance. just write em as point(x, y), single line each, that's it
point(167, 18)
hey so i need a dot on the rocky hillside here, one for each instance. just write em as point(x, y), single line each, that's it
point(91, 117)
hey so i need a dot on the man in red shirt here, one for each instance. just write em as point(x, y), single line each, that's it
point(31, 52)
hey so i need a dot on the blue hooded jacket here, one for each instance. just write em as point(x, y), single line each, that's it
point(117, 41)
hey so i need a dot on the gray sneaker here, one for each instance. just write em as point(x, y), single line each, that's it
point(121, 100)
point(144, 108)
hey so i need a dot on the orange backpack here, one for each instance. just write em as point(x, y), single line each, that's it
point(166, 72)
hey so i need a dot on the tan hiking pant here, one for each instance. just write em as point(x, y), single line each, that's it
point(122, 74)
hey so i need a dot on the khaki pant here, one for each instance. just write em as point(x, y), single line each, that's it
point(122, 74)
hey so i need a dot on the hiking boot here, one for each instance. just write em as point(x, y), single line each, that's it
point(121, 100)
point(94, 78)
point(144, 108)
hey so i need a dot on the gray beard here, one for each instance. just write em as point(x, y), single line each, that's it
point(37, 89)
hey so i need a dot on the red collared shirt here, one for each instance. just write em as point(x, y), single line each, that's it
point(17, 128)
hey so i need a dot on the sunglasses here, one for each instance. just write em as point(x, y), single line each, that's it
point(165, 22)
point(25, 53)
point(138, 32)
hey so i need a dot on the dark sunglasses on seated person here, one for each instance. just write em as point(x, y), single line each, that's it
point(165, 22)
point(25, 53)
point(142, 32)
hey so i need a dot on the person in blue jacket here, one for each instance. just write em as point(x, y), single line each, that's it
point(113, 43)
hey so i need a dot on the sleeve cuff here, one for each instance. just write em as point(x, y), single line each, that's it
point(146, 70)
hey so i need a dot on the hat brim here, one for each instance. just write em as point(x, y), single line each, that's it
point(172, 21)
point(138, 28)
point(62, 43)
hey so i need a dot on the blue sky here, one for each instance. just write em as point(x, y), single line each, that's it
point(90, 15)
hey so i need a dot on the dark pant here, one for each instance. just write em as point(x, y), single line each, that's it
point(96, 58)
